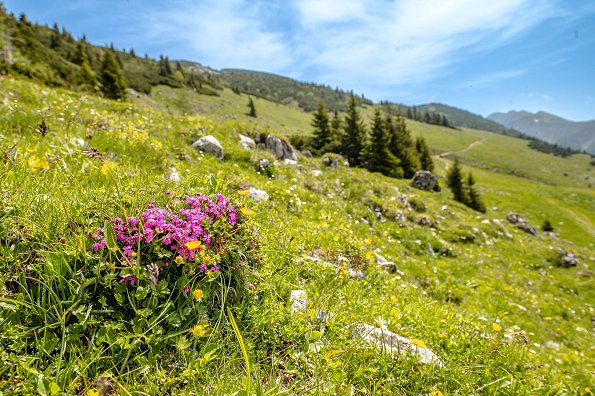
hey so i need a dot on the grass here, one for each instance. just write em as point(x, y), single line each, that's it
point(486, 297)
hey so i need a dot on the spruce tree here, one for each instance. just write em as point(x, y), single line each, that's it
point(401, 146)
point(354, 132)
point(335, 124)
point(423, 152)
point(112, 80)
point(454, 181)
point(251, 107)
point(377, 157)
point(322, 129)
point(474, 200)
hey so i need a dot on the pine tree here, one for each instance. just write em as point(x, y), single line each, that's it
point(423, 152)
point(474, 200)
point(377, 157)
point(354, 132)
point(251, 107)
point(56, 37)
point(335, 124)
point(454, 181)
point(112, 80)
point(401, 146)
point(322, 129)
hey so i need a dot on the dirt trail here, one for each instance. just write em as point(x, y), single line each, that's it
point(474, 144)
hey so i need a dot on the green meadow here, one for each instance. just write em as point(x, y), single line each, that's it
point(489, 299)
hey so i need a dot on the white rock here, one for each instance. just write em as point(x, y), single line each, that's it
point(80, 142)
point(384, 263)
point(173, 176)
point(247, 142)
point(395, 344)
point(316, 172)
point(288, 161)
point(257, 195)
point(298, 300)
point(209, 144)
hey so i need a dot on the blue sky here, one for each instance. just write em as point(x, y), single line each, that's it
point(480, 55)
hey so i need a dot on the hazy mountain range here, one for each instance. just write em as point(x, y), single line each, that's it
point(551, 128)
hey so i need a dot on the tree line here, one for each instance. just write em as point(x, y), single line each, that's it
point(385, 146)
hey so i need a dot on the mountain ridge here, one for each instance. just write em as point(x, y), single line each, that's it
point(577, 135)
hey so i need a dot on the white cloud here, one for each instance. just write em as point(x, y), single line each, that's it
point(372, 46)
point(223, 34)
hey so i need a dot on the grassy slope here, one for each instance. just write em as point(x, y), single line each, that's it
point(449, 300)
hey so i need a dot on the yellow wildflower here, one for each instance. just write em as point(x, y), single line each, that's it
point(419, 343)
point(199, 330)
point(497, 328)
point(244, 192)
point(436, 393)
point(107, 167)
point(179, 260)
point(92, 392)
point(198, 294)
point(36, 163)
point(192, 245)
point(247, 211)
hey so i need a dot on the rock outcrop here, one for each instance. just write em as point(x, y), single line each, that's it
point(424, 180)
point(209, 144)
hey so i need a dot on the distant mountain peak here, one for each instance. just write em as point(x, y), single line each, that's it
point(550, 128)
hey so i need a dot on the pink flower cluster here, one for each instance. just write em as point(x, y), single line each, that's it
point(173, 231)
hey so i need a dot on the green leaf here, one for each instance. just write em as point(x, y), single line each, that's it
point(42, 386)
point(54, 388)
point(109, 235)
point(141, 293)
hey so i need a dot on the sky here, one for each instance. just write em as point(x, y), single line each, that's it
point(480, 55)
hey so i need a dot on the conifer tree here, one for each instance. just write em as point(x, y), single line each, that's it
point(401, 146)
point(474, 200)
point(354, 132)
point(335, 124)
point(87, 76)
point(251, 107)
point(112, 80)
point(322, 129)
point(423, 152)
point(377, 157)
point(56, 37)
point(454, 181)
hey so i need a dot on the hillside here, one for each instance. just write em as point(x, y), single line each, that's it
point(477, 291)
point(133, 262)
point(551, 128)
point(467, 119)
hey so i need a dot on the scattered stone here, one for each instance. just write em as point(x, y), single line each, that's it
point(80, 142)
point(298, 300)
point(515, 218)
point(247, 142)
point(424, 180)
point(528, 229)
point(331, 162)
point(316, 173)
point(346, 164)
point(262, 165)
point(521, 223)
point(355, 274)
point(552, 345)
point(209, 144)
point(568, 260)
point(486, 221)
point(307, 154)
point(280, 148)
point(258, 195)
point(423, 221)
point(288, 161)
point(550, 234)
point(395, 344)
point(173, 175)
point(384, 263)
